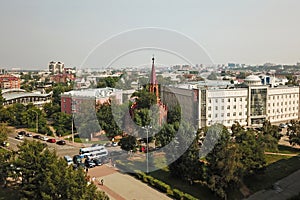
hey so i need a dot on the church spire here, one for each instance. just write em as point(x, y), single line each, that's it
point(153, 73)
point(153, 82)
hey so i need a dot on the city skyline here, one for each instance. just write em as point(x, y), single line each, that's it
point(249, 32)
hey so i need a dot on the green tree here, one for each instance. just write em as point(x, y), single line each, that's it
point(145, 98)
point(62, 123)
point(2, 100)
point(128, 143)
point(107, 120)
point(224, 169)
point(165, 135)
point(293, 132)
point(4, 131)
point(45, 176)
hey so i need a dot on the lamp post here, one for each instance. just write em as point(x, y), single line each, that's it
point(37, 121)
point(147, 146)
point(72, 128)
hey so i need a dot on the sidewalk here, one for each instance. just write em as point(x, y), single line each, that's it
point(284, 189)
point(122, 186)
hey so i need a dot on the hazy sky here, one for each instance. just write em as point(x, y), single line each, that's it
point(34, 32)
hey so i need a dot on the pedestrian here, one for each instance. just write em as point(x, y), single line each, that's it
point(102, 181)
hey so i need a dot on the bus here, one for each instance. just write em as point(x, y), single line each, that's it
point(98, 154)
point(88, 150)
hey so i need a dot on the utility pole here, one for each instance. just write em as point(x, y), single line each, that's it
point(72, 128)
point(147, 128)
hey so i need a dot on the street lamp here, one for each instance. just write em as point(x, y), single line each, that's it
point(72, 128)
point(147, 147)
point(37, 121)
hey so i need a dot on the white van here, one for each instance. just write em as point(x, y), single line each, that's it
point(68, 159)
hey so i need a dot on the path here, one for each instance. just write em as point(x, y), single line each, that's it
point(121, 186)
point(282, 154)
point(283, 189)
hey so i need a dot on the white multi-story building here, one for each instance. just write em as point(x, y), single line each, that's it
point(250, 105)
point(56, 67)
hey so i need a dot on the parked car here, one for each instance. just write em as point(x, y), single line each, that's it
point(28, 134)
point(5, 144)
point(69, 160)
point(37, 137)
point(282, 125)
point(96, 145)
point(77, 159)
point(44, 138)
point(22, 133)
point(89, 163)
point(61, 142)
point(51, 140)
point(114, 144)
point(98, 161)
point(20, 137)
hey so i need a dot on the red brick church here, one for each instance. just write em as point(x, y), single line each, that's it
point(154, 89)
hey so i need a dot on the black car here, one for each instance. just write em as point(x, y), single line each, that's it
point(97, 161)
point(37, 137)
point(22, 133)
point(61, 142)
point(76, 159)
point(89, 163)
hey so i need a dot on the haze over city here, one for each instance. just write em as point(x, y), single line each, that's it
point(252, 32)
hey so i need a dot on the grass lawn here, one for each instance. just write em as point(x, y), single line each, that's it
point(197, 190)
point(8, 194)
point(274, 158)
point(288, 149)
point(274, 172)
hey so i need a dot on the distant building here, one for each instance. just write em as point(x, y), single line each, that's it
point(56, 67)
point(70, 101)
point(62, 78)
point(13, 96)
point(250, 105)
point(9, 82)
point(3, 71)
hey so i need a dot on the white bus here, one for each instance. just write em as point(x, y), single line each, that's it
point(88, 150)
point(98, 154)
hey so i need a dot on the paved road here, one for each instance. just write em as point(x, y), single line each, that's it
point(117, 185)
point(122, 186)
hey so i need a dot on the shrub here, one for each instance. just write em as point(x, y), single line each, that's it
point(178, 194)
point(189, 197)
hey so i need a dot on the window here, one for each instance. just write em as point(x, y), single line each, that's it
point(209, 108)
point(209, 115)
point(234, 99)
point(222, 114)
point(216, 115)
point(228, 114)
point(209, 100)
point(241, 99)
point(234, 107)
point(216, 108)
point(222, 107)
point(222, 100)
point(229, 100)
point(234, 114)
point(216, 100)
point(240, 113)
point(228, 107)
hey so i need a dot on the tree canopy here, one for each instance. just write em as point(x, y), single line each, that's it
point(45, 176)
